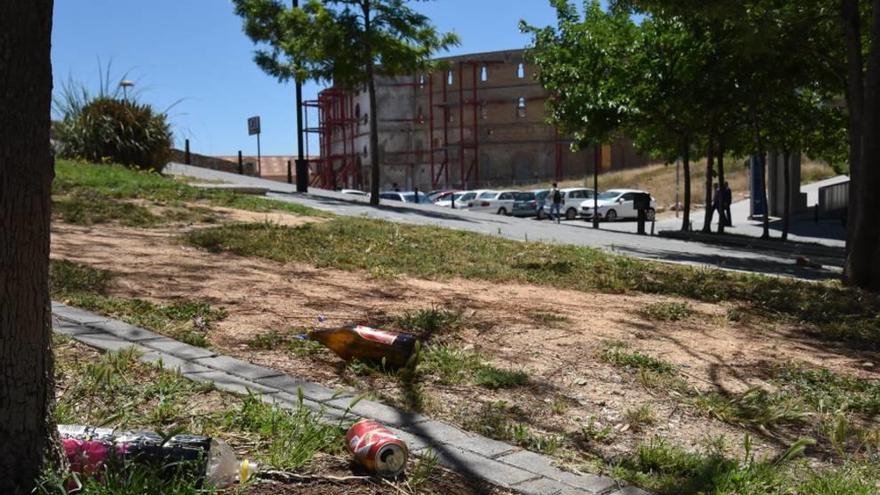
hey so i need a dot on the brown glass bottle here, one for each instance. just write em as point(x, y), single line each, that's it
point(367, 344)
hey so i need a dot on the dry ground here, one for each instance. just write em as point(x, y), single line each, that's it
point(569, 386)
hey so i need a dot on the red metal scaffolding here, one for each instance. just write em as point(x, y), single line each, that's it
point(337, 124)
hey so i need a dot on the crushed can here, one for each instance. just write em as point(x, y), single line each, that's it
point(377, 449)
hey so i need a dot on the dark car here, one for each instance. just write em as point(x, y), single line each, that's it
point(525, 204)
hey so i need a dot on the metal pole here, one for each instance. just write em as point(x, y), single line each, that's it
point(289, 173)
point(302, 165)
point(259, 160)
point(677, 166)
point(186, 156)
point(596, 158)
point(240, 164)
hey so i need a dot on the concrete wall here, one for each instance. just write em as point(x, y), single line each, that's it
point(482, 120)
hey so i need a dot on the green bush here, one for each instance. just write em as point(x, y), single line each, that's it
point(106, 129)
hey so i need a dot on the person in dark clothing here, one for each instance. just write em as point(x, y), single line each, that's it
point(727, 199)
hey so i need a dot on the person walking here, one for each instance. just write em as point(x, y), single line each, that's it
point(714, 203)
point(555, 196)
point(727, 199)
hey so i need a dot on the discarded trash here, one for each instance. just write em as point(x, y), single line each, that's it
point(90, 449)
point(376, 448)
point(807, 262)
point(367, 344)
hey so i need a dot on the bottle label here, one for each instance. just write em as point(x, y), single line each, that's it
point(374, 335)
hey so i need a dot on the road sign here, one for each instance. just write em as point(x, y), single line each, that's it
point(253, 125)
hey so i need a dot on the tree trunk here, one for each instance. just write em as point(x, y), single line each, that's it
point(710, 167)
point(686, 160)
point(721, 179)
point(855, 102)
point(374, 111)
point(762, 157)
point(863, 98)
point(26, 172)
point(786, 208)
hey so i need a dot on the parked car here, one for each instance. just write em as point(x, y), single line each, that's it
point(435, 196)
point(462, 198)
point(616, 204)
point(405, 197)
point(500, 202)
point(445, 199)
point(571, 200)
point(525, 204)
point(354, 192)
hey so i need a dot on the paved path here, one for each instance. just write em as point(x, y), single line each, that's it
point(577, 233)
point(471, 455)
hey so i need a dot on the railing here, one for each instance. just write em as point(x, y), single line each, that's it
point(834, 199)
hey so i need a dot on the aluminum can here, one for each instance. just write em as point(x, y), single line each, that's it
point(376, 448)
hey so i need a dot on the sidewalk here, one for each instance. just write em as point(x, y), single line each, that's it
point(469, 454)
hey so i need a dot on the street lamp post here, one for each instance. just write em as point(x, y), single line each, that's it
point(302, 165)
point(125, 84)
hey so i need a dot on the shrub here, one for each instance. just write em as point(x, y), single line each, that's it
point(121, 131)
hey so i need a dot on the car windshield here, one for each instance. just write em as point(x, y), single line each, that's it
point(540, 195)
point(524, 196)
point(488, 195)
point(609, 195)
point(411, 198)
point(467, 196)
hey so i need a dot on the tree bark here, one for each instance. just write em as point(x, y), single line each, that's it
point(686, 161)
point(710, 167)
point(786, 208)
point(863, 99)
point(374, 111)
point(26, 172)
point(721, 178)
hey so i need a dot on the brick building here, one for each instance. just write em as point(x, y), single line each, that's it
point(478, 122)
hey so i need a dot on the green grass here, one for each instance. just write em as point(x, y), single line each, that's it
point(85, 287)
point(619, 354)
point(430, 322)
point(551, 320)
point(667, 469)
point(290, 341)
point(501, 421)
point(88, 194)
point(639, 417)
point(835, 312)
point(452, 366)
point(667, 311)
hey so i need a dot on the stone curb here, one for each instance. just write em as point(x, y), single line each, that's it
point(467, 453)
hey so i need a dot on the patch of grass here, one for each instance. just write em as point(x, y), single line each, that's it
point(85, 287)
point(824, 390)
point(132, 479)
point(453, 366)
point(430, 322)
point(593, 432)
point(436, 253)
point(291, 341)
point(619, 354)
point(755, 407)
point(88, 194)
point(639, 417)
point(665, 468)
point(289, 439)
point(667, 311)
point(495, 378)
point(552, 320)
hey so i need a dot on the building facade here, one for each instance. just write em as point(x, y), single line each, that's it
point(480, 121)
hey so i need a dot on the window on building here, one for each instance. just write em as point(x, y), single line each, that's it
point(484, 73)
point(484, 110)
point(420, 116)
point(357, 111)
point(421, 80)
point(521, 71)
point(450, 77)
point(366, 119)
point(521, 107)
point(365, 151)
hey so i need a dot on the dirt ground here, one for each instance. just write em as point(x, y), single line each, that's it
point(504, 322)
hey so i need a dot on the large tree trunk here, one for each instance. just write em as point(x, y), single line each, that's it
point(786, 208)
point(26, 171)
point(686, 160)
point(374, 111)
point(710, 167)
point(863, 242)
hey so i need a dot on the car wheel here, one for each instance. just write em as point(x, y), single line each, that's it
point(571, 214)
point(611, 216)
point(651, 215)
point(502, 211)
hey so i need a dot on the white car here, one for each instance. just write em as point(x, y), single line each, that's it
point(571, 201)
point(616, 204)
point(354, 192)
point(500, 202)
point(462, 199)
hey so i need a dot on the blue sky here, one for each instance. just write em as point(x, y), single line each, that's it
point(194, 52)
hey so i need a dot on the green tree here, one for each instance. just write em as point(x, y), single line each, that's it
point(346, 42)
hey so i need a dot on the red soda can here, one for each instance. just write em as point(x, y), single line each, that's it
point(376, 448)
